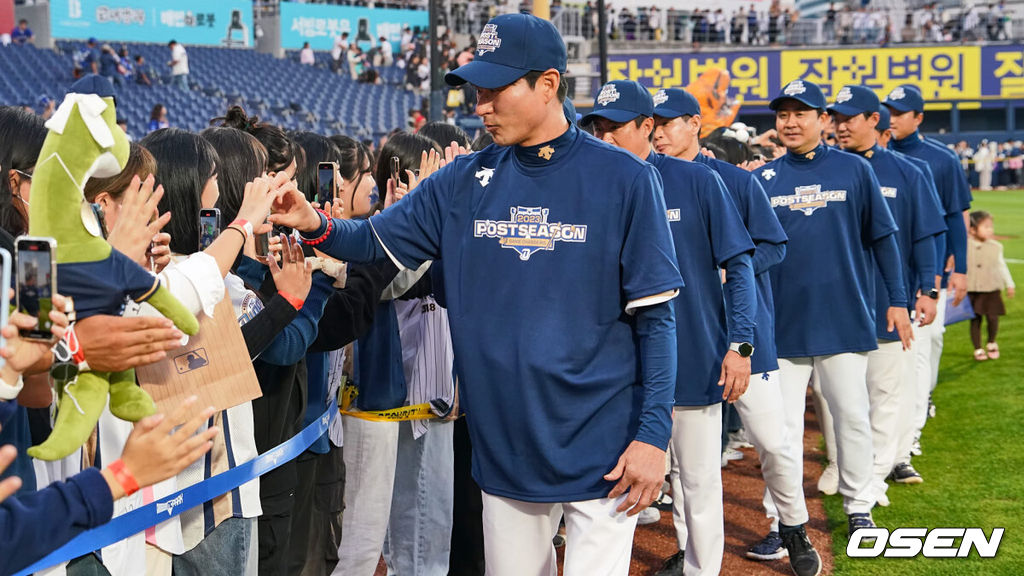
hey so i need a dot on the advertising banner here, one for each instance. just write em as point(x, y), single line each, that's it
point(318, 24)
point(191, 22)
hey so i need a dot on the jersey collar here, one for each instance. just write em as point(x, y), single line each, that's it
point(548, 153)
point(907, 143)
point(869, 153)
point(816, 154)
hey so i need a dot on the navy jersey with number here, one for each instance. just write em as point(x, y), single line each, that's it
point(762, 226)
point(917, 214)
point(831, 207)
point(707, 231)
point(544, 250)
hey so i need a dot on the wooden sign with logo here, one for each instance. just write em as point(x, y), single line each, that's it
point(213, 365)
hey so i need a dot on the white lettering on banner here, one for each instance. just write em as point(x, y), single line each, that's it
point(126, 16)
point(935, 543)
point(74, 8)
point(807, 199)
point(170, 505)
point(528, 231)
point(173, 18)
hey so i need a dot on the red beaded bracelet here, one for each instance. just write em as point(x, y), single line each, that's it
point(320, 239)
point(124, 477)
point(295, 302)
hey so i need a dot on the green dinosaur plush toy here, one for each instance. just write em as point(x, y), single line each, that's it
point(85, 141)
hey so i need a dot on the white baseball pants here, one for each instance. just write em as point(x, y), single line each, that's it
point(517, 537)
point(928, 354)
point(764, 419)
point(843, 381)
point(696, 475)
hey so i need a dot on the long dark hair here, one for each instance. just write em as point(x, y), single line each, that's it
point(242, 159)
point(408, 147)
point(316, 149)
point(21, 139)
point(281, 151)
point(354, 155)
point(184, 162)
point(444, 134)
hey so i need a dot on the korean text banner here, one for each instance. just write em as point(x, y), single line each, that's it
point(195, 22)
point(318, 24)
point(941, 73)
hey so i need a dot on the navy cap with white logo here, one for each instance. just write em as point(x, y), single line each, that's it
point(621, 101)
point(803, 91)
point(853, 100)
point(905, 98)
point(93, 84)
point(675, 102)
point(509, 46)
point(883, 119)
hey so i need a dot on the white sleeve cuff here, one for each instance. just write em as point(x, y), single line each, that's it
point(632, 306)
point(10, 391)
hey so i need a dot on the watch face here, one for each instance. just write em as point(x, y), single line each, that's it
point(746, 349)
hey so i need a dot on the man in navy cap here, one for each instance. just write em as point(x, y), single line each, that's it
point(559, 271)
point(832, 209)
point(714, 348)
point(906, 106)
point(677, 124)
point(891, 373)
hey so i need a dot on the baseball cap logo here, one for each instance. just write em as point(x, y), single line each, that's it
point(795, 87)
point(489, 40)
point(844, 95)
point(897, 94)
point(608, 95)
point(660, 98)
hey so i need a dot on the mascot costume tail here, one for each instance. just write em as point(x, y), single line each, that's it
point(85, 141)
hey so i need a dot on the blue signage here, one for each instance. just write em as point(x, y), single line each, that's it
point(194, 22)
point(318, 24)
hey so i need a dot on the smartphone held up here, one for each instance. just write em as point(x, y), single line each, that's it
point(36, 283)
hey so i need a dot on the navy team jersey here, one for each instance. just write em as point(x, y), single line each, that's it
point(831, 207)
point(544, 249)
point(707, 231)
point(763, 227)
point(917, 214)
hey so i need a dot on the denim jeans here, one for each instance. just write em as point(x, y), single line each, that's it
point(420, 529)
point(180, 81)
point(223, 551)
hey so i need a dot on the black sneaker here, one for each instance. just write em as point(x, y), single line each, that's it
point(803, 558)
point(770, 548)
point(905, 474)
point(858, 521)
point(673, 566)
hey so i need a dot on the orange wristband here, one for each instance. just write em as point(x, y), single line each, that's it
point(295, 302)
point(124, 477)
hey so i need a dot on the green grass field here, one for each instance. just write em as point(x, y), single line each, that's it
point(973, 461)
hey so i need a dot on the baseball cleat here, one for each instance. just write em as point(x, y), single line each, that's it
point(803, 558)
point(905, 474)
point(649, 515)
point(829, 481)
point(857, 521)
point(673, 566)
point(770, 548)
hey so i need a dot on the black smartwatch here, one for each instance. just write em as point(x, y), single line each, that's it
point(933, 294)
point(744, 349)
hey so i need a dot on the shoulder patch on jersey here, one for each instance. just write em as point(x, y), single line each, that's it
point(484, 175)
point(608, 95)
point(528, 230)
point(807, 199)
point(768, 174)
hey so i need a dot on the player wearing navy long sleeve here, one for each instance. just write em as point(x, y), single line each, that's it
point(891, 368)
point(559, 269)
point(832, 209)
point(906, 106)
point(677, 122)
point(709, 236)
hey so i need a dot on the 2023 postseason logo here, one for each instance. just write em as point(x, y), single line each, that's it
point(934, 543)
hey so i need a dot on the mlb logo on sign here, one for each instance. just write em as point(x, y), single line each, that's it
point(844, 95)
point(191, 360)
point(897, 93)
point(488, 41)
point(608, 95)
point(660, 98)
point(795, 87)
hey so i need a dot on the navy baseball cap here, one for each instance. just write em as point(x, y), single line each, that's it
point(803, 91)
point(883, 119)
point(905, 98)
point(621, 101)
point(91, 41)
point(93, 84)
point(675, 102)
point(853, 100)
point(509, 46)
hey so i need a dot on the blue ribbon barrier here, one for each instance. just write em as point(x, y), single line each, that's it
point(170, 506)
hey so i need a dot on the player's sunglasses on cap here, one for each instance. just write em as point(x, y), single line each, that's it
point(854, 100)
point(675, 102)
point(883, 119)
point(621, 101)
point(905, 98)
point(804, 91)
point(509, 46)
